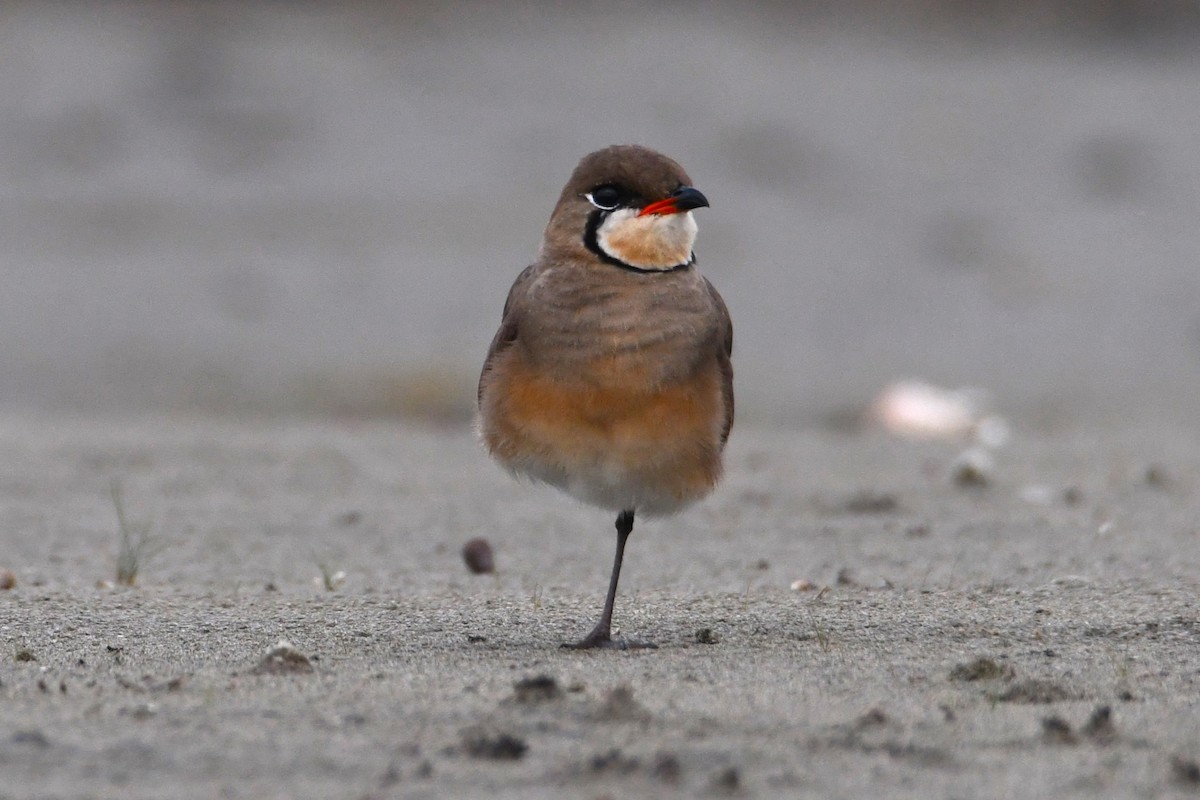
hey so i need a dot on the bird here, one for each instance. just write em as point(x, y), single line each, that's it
point(610, 376)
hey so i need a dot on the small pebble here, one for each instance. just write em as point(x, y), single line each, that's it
point(1057, 730)
point(1100, 727)
point(1185, 770)
point(477, 554)
point(727, 781)
point(803, 585)
point(538, 689)
point(496, 746)
point(981, 669)
point(282, 659)
point(973, 468)
point(872, 719)
point(8, 579)
point(1156, 476)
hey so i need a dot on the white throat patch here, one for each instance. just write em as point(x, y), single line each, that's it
point(654, 242)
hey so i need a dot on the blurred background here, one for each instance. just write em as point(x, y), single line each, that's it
point(314, 208)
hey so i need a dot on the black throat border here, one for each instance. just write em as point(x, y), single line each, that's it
point(592, 243)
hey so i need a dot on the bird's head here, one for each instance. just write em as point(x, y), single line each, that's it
point(630, 207)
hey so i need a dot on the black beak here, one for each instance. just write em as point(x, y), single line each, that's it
point(686, 198)
point(683, 199)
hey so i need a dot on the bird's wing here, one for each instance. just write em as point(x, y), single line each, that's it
point(507, 333)
point(724, 353)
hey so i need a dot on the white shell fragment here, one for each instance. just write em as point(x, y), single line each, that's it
point(921, 410)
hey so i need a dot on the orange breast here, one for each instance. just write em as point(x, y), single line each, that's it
point(609, 420)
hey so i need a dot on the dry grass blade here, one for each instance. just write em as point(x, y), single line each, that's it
point(137, 545)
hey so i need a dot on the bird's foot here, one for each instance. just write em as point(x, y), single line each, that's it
point(604, 641)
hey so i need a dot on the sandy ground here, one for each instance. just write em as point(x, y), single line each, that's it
point(1072, 574)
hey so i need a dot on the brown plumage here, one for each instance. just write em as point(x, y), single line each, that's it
point(610, 375)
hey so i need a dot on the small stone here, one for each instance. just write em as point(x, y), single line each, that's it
point(727, 781)
point(8, 579)
point(981, 669)
point(872, 719)
point(1185, 771)
point(478, 743)
point(973, 468)
point(1056, 730)
point(477, 554)
point(25, 655)
point(1156, 476)
point(283, 659)
point(1099, 727)
point(803, 585)
point(706, 636)
point(538, 689)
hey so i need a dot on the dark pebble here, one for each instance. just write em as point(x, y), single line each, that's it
point(477, 554)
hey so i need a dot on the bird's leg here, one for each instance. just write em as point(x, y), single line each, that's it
point(601, 635)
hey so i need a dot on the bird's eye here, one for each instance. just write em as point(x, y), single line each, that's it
point(605, 198)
